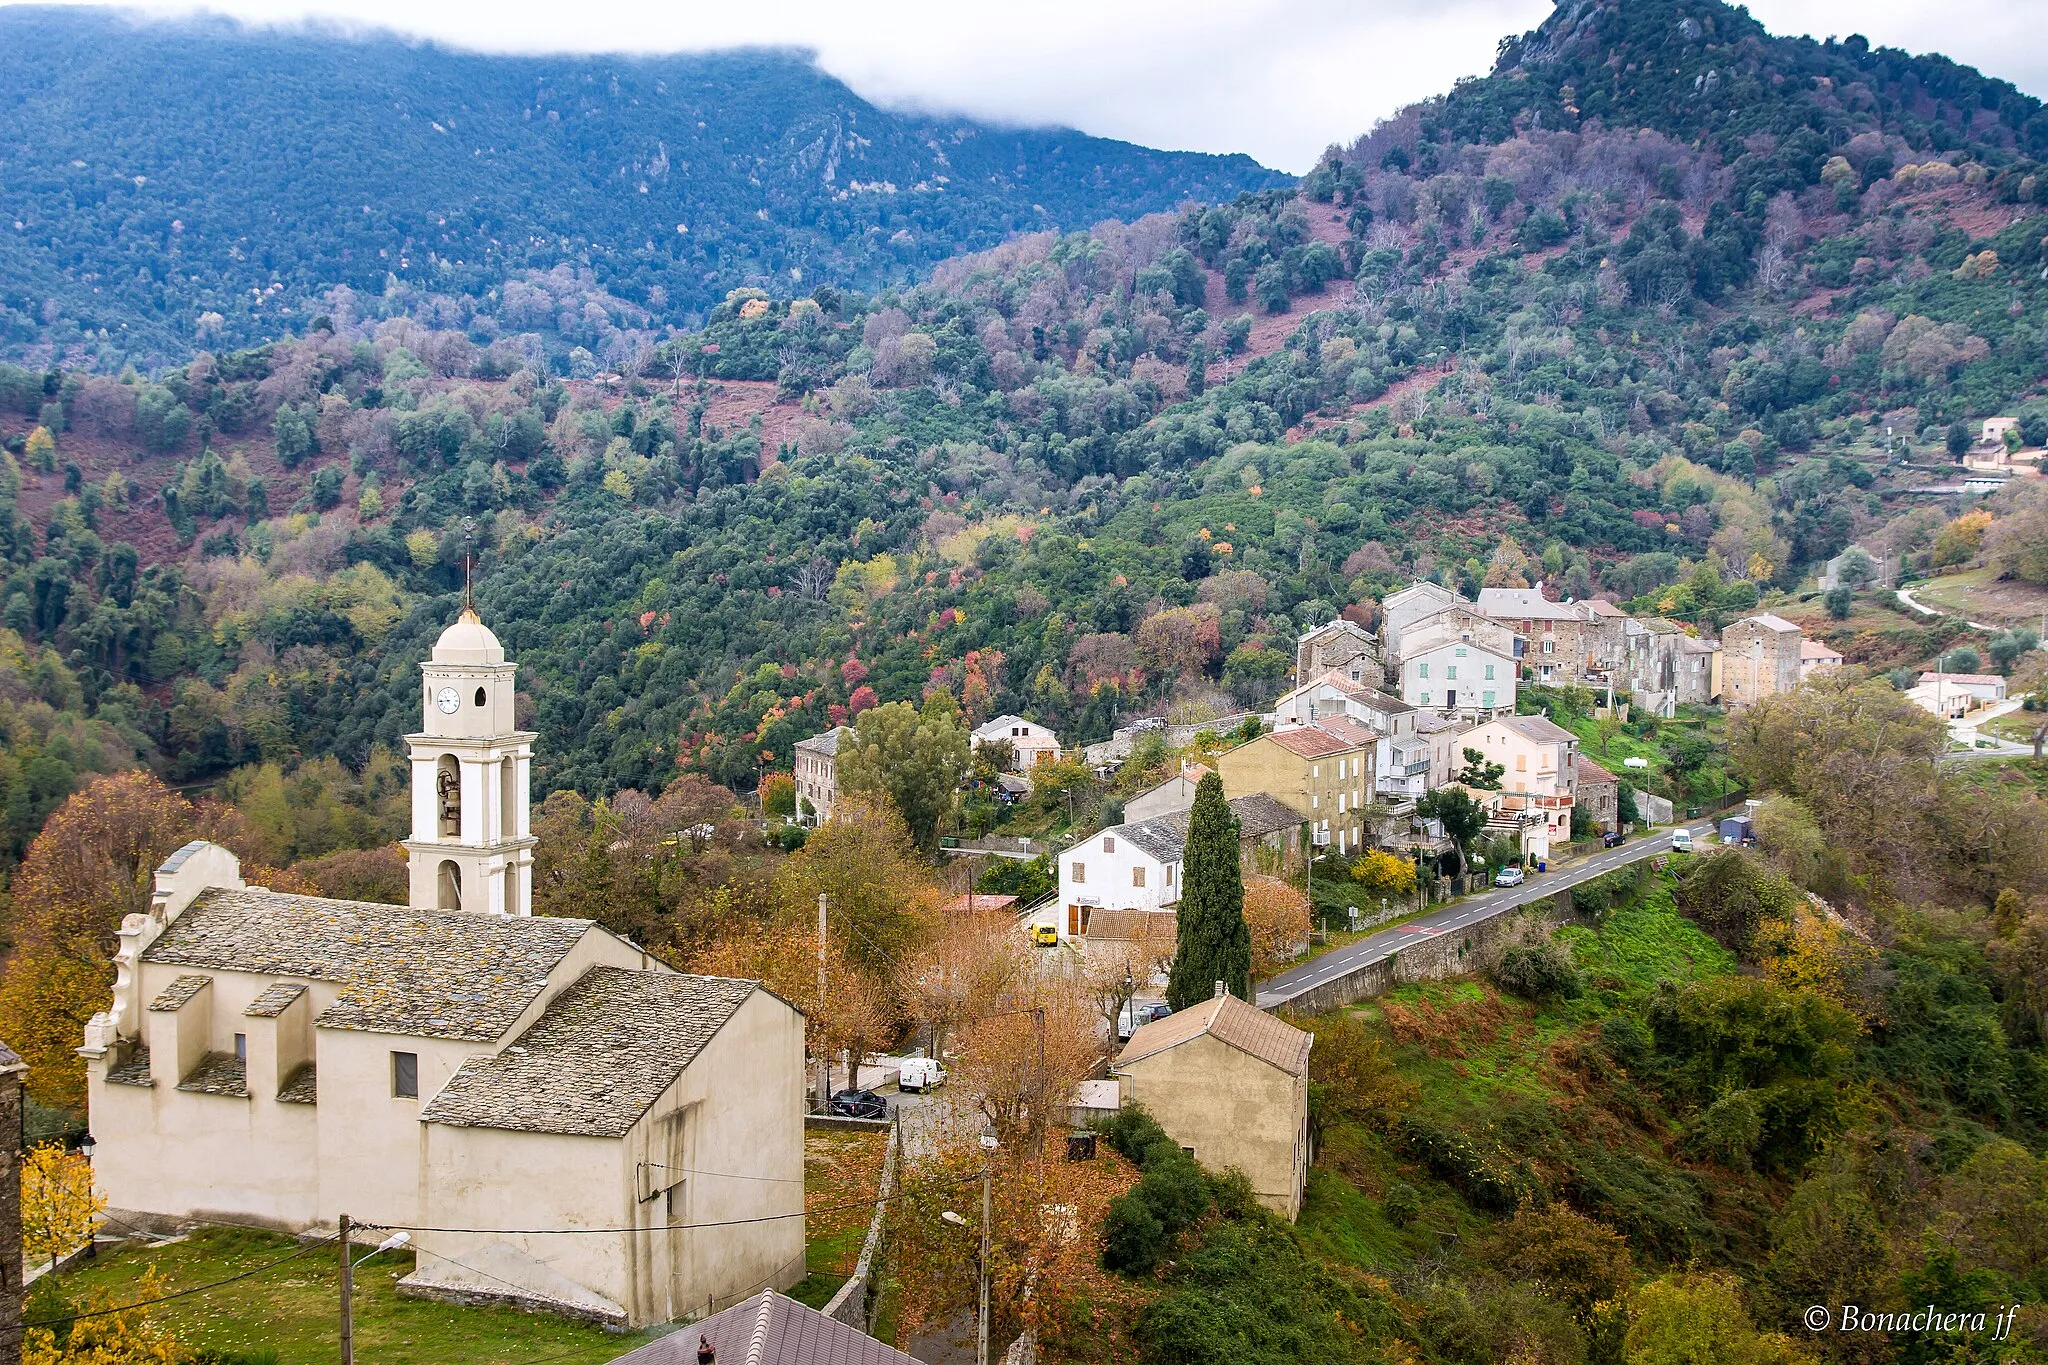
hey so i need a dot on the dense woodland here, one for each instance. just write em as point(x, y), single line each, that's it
point(1675, 339)
point(150, 217)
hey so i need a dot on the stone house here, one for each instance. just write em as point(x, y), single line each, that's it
point(817, 774)
point(1557, 636)
point(1668, 667)
point(1324, 778)
point(1760, 658)
point(1342, 647)
point(1599, 795)
point(1030, 743)
point(281, 1060)
point(1401, 610)
point(1229, 1083)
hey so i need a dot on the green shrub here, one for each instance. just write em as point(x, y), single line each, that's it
point(1403, 1204)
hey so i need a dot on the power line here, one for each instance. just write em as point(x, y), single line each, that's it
point(671, 1227)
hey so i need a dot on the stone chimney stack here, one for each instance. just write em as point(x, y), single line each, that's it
point(1220, 992)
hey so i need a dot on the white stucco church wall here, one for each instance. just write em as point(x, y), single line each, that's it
point(281, 1060)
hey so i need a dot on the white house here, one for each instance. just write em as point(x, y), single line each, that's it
point(1125, 867)
point(1954, 695)
point(1457, 677)
point(281, 1060)
point(1030, 743)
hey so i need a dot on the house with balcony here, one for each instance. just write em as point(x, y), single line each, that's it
point(1461, 678)
point(1539, 779)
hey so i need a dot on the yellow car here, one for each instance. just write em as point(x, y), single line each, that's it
point(1044, 935)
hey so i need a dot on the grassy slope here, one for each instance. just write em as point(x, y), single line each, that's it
point(291, 1310)
point(1482, 1063)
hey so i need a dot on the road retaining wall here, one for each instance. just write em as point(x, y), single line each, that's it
point(1431, 957)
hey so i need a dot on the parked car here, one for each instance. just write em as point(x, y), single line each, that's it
point(1509, 876)
point(1681, 841)
point(920, 1074)
point(1138, 1014)
point(1044, 935)
point(860, 1104)
point(1612, 839)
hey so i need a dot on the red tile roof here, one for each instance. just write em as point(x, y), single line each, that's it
point(1311, 743)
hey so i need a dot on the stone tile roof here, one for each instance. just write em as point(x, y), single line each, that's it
point(1259, 814)
point(1769, 621)
point(134, 1071)
point(277, 997)
point(301, 1087)
point(179, 993)
point(218, 1073)
point(600, 1054)
point(1133, 926)
point(768, 1329)
point(1345, 728)
point(1231, 1021)
point(1528, 603)
point(423, 973)
point(1814, 649)
point(10, 1060)
point(1164, 838)
point(826, 744)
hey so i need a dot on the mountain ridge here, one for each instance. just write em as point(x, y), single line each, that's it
point(299, 161)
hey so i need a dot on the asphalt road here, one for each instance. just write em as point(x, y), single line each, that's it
point(1338, 961)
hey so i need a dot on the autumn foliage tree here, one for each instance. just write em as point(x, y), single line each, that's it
point(1278, 918)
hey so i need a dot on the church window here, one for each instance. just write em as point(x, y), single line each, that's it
point(479, 696)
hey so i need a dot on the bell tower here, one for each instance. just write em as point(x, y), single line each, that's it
point(471, 846)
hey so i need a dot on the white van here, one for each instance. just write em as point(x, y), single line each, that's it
point(1681, 841)
point(920, 1074)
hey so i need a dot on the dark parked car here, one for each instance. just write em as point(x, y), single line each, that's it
point(1612, 839)
point(859, 1104)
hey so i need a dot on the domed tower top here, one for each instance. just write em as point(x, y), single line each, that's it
point(468, 641)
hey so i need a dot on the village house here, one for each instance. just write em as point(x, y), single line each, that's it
point(1460, 677)
point(1954, 695)
point(1606, 636)
point(1445, 736)
point(1417, 602)
point(1030, 743)
point(1598, 793)
point(1814, 657)
point(1176, 793)
point(1668, 667)
point(1342, 647)
point(817, 775)
point(1398, 749)
point(1760, 658)
point(1134, 869)
point(280, 1060)
point(1557, 648)
point(1229, 1083)
point(1325, 778)
point(1539, 780)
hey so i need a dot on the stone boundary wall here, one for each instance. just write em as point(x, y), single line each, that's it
point(853, 1304)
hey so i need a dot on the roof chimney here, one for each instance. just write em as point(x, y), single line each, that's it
point(1220, 992)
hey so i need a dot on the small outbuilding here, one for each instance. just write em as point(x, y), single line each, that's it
point(1229, 1083)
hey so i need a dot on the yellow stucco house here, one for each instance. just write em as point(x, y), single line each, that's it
point(1229, 1083)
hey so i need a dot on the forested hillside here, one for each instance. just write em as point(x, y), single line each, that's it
point(168, 187)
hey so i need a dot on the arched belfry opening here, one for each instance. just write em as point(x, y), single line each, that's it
point(448, 886)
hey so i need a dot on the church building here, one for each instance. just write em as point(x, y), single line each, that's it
point(616, 1140)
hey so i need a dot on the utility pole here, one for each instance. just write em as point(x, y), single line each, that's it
point(824, 1062)
point(987, 1214)
point(348, 1294)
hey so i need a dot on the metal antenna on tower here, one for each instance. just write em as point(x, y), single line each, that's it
point(468, 542)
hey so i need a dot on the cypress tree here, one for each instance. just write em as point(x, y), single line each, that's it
point(1213, 942)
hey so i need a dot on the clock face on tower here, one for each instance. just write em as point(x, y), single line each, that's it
point(449, 700)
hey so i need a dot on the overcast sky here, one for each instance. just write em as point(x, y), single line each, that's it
point(1279, 79)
